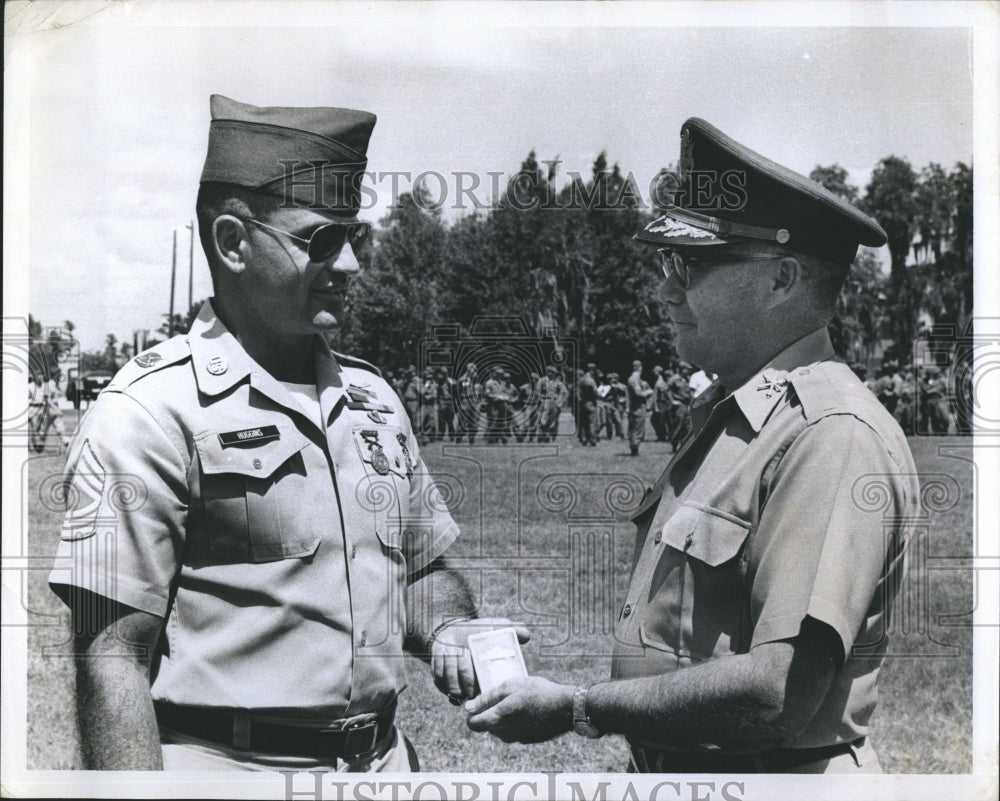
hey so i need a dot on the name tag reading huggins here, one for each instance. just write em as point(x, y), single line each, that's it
point(249, 436)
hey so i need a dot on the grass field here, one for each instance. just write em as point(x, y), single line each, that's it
point(540, 545)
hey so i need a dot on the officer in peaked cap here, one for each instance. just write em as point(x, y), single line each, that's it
point(251, 520)
point(756, 618)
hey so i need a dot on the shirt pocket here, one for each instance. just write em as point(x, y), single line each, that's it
point(698, 604)
point(254, 498)
point(383, 488)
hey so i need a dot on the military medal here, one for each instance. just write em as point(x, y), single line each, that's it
point(401, 439)
point(379, 461)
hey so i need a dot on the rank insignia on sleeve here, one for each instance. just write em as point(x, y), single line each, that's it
point(84, 496)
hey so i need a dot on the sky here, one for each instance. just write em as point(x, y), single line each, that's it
point(109, 115)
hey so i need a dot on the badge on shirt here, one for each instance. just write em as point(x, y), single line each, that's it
point(379, 461)
point(249, 436)
point(364, 400)
point(148, 359)
point(771, 385)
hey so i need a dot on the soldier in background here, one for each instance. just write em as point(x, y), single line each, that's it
point(935, 417)
point(886, 387)
point(428, 406)
point(603, 406)
point(661, 405)
point(617, 402)
point(679, 392)
point(551, 394)
point(587, 396)
point(495, 397)
point(529, 397)
point(411, 397)
point(638, 395)
point(445, 405)
point(468, 403)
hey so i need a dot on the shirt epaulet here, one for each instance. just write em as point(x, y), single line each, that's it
point(164, 354)
point(829, 388)
point(353, 361)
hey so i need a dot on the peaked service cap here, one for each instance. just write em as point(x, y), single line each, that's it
point(728, 193)
point(310, 157)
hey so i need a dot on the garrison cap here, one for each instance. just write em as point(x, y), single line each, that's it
point(310, 157)
point(728, 194)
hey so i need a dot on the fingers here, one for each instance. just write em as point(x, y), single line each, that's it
point(489, 699)
point(466, 674)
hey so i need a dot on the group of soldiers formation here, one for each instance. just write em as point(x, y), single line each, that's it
point(492, 406)
point(920, 405)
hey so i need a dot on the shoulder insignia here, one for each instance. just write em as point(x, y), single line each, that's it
point(148, 362)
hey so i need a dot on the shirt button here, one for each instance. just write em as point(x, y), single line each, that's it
point(364, 639)
point(658, 537)
point(256, 464)
point(627, 610)
point(688, 540)
point(354, 550)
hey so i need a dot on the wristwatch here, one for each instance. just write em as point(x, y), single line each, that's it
point(581, 723)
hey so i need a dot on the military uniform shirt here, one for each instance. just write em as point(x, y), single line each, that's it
point(787, 502)
point(276, 550)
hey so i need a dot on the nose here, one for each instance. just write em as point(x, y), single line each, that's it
point(345, 262)
point(671, 289)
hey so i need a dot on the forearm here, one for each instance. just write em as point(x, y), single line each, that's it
point(117, 724)
point(434, 596)
point(723, 701)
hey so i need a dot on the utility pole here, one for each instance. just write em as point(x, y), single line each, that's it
point(173, 282)
point(191, 267)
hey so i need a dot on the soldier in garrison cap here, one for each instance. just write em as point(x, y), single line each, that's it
point(757, 614)
point(253, 531)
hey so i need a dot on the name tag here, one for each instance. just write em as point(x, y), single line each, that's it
point(249, 435)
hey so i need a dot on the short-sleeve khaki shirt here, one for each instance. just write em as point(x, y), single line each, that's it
point(766, 516)
point(277, 550)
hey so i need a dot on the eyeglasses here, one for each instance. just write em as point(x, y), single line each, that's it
point(327, 240)
point(673, 263)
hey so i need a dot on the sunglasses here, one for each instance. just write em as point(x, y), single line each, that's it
point(678, 265)
point(327, 240)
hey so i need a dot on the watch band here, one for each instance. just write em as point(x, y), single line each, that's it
point(581, 722)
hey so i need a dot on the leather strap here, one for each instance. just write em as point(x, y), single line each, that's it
point(238, 729)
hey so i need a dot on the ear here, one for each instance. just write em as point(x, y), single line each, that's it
point(231, 242)
point(785, 280)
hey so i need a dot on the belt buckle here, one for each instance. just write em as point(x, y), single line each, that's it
point(365, 731)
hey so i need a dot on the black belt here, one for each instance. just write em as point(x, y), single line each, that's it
point(349, 739)
point(775, 760)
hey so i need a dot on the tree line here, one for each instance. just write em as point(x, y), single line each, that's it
point(562, 261)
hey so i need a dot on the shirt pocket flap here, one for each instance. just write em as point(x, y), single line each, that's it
point(259, 459)
point(708, 535)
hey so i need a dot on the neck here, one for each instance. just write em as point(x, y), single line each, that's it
point(286, 359)
point(768, 353)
